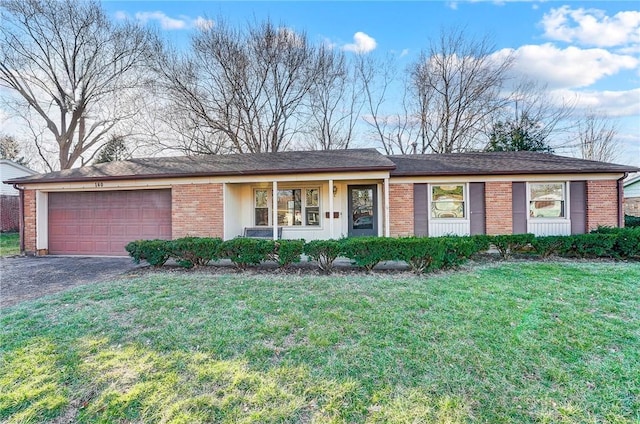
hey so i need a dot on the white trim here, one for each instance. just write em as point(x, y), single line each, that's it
point(444, 226)
point(504, 178)
point(331, 207)
point(274, 203)
point(550, 226)
point(42, 220)
point(387, 218)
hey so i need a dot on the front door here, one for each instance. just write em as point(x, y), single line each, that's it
point(363, 208)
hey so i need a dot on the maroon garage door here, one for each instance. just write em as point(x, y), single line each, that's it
point(103, 222)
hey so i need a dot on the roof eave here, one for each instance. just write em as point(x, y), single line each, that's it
point(200, 174)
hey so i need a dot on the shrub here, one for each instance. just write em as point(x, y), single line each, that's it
point(627, 243)
point(457, 250)
point(422, 254)
point(367, 252)
point(286, 252)
point(591, 245)
point(509, 243)
point(195, 251)
point(631, 221)
point(481, 242)
point(155, 252)
point(324, 252)
point(244, 251)
point(546, 246)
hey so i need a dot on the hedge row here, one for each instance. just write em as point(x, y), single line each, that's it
point(422, 254)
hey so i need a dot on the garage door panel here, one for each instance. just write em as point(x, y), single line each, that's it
point(102, 223)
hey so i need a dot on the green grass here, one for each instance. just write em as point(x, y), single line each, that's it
point(9, 244)
point(518, 342)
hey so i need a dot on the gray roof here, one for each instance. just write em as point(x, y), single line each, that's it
point(217, 165)
point(499, 163)
point(483, 163)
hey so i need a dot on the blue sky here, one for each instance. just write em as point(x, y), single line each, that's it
point(584, 50)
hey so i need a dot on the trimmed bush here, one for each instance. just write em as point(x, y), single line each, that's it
point(244, 252)
point(481, 242)
point(550, 245)
point(324, 252)
point(592, 245)
point(367, 252)
point(287, 252)
point(422, 254)
point(509, 243)
point(155, 252)
point(627, 243)
point(457, 250)
point(631, 221)
point(195, 251)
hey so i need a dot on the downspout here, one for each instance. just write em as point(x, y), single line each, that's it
point(621, 200)
point(21, 219)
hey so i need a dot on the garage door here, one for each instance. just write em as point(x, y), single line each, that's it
point(103, 222)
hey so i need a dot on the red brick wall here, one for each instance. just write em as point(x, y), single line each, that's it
point(30, 221)
point(602, 204)
point(9, 213)
point(401, 210)
point(499, 207)
point(197, 210)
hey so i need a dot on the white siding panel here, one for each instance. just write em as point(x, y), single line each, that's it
point(459, 227)
point(550, 228)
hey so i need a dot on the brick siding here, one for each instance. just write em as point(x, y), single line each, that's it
point(602, 204)
point(632, 206)
point(9, 213)
point(499, 207)
point(30, 221)
point(197, 210)
point(401, 210)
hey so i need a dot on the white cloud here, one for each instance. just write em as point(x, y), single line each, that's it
point(570, 67)
point(615, 103)
point(362, 43)
point(404, 52)
point(165, 21)
point(592, 27)
point(203, 23)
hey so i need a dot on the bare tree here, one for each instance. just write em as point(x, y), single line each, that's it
point(241, 91)
point(396, 130)
point(335, 101)
point(72, 69)
point(596, 135)
point(457, 85)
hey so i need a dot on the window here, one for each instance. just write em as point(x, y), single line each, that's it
point(296, 207)
point(447, 201)
point(546, 200)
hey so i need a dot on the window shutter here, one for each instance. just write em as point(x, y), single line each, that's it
point(578, 206)
point(477, 208)
point(519, 207)
point(420, 212)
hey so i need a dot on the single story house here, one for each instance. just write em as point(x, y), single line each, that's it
point(631, 188)
point(9, 202)
point(96, 210)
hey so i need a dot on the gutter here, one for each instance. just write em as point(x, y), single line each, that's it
point(21, 220)
point(621, 200)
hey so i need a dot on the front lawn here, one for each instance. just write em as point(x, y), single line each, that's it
point(9, 244)
point(516, 342)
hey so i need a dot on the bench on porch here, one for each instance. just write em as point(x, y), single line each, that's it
point(261, 232)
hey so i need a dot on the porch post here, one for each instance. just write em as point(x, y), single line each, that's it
point(274, 209)
point(387, 219)
point(331, 209)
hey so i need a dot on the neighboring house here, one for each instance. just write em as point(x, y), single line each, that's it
point(632, 196)
point(317, 195)
point(9, 201)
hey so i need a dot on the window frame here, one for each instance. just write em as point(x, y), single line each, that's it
point(564, 202)
point(304, 207)
point(465, 202)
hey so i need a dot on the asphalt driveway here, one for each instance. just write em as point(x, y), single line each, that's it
point(29, 277)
